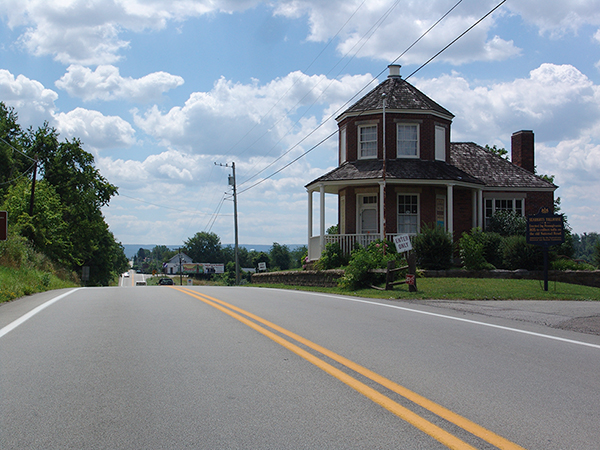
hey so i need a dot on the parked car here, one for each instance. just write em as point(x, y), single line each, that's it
point(165, 282)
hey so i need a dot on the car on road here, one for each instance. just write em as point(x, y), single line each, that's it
point(125, 274)
point(165, 282)
point(140, 283)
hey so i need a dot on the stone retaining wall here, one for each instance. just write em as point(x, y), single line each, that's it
point(319, 278)
point(329, 278)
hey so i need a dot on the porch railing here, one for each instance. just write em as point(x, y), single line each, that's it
point(347, 242)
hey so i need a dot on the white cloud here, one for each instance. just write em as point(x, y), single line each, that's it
point(557, 102)
point(95, 129)
point(260, 116)
point(88, 32)
point(32, 101)
point(106, 83)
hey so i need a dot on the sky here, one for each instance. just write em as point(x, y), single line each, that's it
point(165, 93)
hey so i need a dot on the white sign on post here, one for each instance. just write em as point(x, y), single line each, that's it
point(402, 242)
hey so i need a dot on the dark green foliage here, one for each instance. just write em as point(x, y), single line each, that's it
point(204, 247)
point(67, 222)
point(480, 250)
point(362, 260)
point(508, 223)
point(280, 257)
point(332, 257)
point(472, 251)
point(518, 254)
point(298, 256)
point(583, 246)
point(596, 255)
point(502, 152)
point(433, 248)
point(569, 264)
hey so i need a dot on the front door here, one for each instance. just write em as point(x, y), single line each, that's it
point(368, 214)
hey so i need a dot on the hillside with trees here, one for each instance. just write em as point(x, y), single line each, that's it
point(53, 194)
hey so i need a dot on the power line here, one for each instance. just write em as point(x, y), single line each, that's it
point(461, 35)
point(331, 116)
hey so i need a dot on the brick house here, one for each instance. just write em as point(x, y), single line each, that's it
point(424, 178)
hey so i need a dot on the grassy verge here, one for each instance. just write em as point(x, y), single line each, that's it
point(468, 289)
point(15, 283)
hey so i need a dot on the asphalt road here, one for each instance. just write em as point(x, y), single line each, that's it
point(248, 368)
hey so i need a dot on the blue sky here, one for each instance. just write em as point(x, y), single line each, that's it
point(160, 90)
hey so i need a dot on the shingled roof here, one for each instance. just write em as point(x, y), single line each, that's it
point(492, 169)
point(400, 95)
point(397, 169)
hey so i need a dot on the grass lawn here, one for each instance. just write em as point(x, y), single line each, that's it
point(468, 289)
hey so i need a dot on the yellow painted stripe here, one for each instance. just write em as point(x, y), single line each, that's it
point(439, 410)
point(405, 414)
point(462, 422)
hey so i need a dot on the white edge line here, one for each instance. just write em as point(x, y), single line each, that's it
point(491, 325)
point(11, 326)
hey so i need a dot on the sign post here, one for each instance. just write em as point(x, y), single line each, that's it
point(3, 225)
point(545, 229)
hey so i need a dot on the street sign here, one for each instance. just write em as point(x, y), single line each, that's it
point(402, 242)
point(262, 266)
point(3, 225)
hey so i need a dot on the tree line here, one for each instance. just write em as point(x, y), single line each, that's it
point(53, 194)
point(206, 247)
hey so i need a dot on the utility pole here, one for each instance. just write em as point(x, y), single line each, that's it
point(232, 183)
point(384, 180)
point(35, 163)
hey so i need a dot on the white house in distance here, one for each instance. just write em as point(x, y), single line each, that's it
point(174, 265)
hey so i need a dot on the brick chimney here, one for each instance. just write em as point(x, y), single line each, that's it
point(522, 150)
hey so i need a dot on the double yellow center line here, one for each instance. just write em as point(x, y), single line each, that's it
point(441, 435)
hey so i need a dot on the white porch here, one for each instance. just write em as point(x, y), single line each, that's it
point(347, 242)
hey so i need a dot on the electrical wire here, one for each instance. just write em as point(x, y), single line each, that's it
point(329, 118)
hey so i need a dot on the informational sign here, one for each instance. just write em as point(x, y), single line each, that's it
point(402, 242)
point(410, 279)
point(213, 268)
point(262, 266)
point(3, 225)
point(545, 228)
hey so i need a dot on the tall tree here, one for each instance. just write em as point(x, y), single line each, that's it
point(280, 256)
point(204, 247)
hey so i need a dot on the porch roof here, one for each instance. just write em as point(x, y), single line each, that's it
point(397, 169)
point(493, 170)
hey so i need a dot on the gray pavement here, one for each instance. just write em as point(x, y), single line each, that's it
point(579, 316)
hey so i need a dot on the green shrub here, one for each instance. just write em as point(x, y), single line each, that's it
point(480, 250)
point(569, 264)
point(363, 260)
point(518, 254)
point(507, 223)
point(433, 248)
point(332, 257)
point(471, 252)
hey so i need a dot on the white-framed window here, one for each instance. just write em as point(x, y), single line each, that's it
point(367, 141)
point(516, 205)
point(407, 140)
point(440, 143)
point(343, 151)
point(408, 213)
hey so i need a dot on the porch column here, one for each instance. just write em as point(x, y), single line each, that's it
point(480, 208)
point(322, 212)
point(450, 197)
point(310, 215)
point(474, 209)
point(381, 209)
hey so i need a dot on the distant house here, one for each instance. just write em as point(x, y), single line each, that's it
point(424, 178)
point(174, 265)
